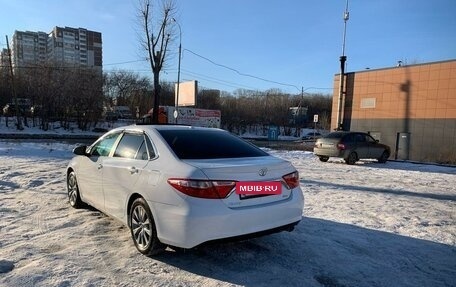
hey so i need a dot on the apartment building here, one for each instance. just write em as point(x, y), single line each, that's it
point(76, 46)
point(4, 58)
point(65, 45)
point(412, 108)
point(28, 48)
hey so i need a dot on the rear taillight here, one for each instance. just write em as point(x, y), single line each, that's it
point(203, 188)
point(291, 179)
point(340, 146)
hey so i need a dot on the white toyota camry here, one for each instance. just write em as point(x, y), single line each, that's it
point(183, 186)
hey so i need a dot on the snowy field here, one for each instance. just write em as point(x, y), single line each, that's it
point(370, 224)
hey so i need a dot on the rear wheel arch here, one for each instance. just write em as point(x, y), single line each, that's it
point(132, 198)
point(324, 158)
point(384, 157)
point(352, 157)
point(142, 227)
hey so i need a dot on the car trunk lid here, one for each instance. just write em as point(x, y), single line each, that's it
point(327, 143)
point(252, 169)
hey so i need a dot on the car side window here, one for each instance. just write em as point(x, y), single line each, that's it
point(142, 152)
point(348, 138)
point(130, 146)
point(104, 146)
point(150, 148)
point(370, 139)
point(360, 138)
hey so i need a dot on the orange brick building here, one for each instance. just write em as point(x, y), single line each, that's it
point(412, 108)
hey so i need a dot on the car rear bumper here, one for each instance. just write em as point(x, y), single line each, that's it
point(200, 221)
point(328, 152)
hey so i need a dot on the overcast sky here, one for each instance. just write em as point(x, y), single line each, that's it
point(288, 44)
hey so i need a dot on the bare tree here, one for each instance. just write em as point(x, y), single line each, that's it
point(86, 101)
point(251, 110)
point(120, 85)
point(208, 99)
point(158, 30)
point(126, 88)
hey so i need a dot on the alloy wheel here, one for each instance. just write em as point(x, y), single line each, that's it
point(141, 227)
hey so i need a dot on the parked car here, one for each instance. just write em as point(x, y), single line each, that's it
point(351, 146)
point(123, 112)
point(311, 136)
point(177, 185)
point(111, 116)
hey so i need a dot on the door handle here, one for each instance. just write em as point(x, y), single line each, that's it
point(133, 170)
point(100, 166)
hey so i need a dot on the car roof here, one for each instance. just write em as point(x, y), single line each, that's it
point(340, 134)
point(348, 132)
point(150, 127)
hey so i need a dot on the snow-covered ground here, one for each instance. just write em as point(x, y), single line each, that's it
point(370, 224)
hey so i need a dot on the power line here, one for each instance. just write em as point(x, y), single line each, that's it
point(221, 65)
point(126, 62)
point(216, 80)
point(188, 72)
point(240, 73)
point(223, 82)
point(196, 76)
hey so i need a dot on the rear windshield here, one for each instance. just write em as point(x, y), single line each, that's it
point(207, 144)
point(335, 135)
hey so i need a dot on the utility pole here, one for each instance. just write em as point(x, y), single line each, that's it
point(13, 88)
point(176, 111)
point(343, 59)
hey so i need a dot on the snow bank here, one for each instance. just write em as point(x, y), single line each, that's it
point(368, 224)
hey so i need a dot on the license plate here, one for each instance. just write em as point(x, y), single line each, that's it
point(258, 188)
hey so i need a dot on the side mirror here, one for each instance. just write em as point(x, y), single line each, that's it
point(377, 141)
point(80, 150)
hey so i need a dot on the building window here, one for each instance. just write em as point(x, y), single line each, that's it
point(368, 103)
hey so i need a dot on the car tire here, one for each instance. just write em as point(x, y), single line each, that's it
point(73, 191)
point(352, 158)
point(143, 230)
point(323, 158)
point(384, 157)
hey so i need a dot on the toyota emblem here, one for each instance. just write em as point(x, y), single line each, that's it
point(263, 171)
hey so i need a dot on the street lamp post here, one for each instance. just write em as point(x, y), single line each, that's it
point(176, 113)
point(343, 59)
